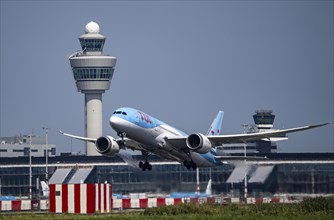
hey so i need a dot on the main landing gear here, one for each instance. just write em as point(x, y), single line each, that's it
point(146, 165)
point(190, 164)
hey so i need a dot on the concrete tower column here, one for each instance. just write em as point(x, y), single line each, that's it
point(93, 118)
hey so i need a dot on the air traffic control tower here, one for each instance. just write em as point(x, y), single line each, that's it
point(92, 72)
point(264, 119)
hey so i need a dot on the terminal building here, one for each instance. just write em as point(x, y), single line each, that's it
point(306, 173)
point(19, 146)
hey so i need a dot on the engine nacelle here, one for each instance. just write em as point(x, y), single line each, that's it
point(107, 145)
point(198, 143)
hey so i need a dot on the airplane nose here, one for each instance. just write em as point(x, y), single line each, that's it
point(113, 121)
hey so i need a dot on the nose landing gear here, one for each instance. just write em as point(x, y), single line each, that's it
point(122, 135)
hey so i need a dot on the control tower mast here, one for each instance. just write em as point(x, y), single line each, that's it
point(92, 72)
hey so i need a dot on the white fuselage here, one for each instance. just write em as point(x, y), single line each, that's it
point(152, 140)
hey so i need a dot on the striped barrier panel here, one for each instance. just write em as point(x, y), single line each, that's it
point(80, 198)
point(145, 203)
point(266, 200)
point(275, 200)
point(44, 205)
point(15, 205)
point(251, 200)
point(258, 200)
point(99, 201)
point(235, 200)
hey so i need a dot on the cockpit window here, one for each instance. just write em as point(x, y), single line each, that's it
point(119, 112)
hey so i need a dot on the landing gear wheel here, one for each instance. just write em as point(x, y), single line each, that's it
point(190, 164)
point(186, 164)
point(193, 165)
point(145, 166)
point(148, 166)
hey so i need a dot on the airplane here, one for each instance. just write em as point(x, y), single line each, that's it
point(45, 189)
point(140, 131)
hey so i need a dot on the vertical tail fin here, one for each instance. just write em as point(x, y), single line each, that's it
point(208, 191)
point(216, 125)
point(45, 188)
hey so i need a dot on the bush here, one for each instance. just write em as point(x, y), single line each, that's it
point(324, 204)
point(206, 209)
point(320, 204)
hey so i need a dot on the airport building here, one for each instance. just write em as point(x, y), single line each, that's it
point(263, 121)
point(282, 173)
point(19, 146)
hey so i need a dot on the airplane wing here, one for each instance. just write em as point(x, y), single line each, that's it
point(128, 143)
point(92, 140)
point(268, 135)
point(216, 140)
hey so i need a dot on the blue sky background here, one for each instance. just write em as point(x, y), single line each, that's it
point(180, 61)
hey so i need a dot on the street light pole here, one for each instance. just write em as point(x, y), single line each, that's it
point(30, 171)
point(198, 190)
point(245, 183)
point(46, 154)
point(245, 126)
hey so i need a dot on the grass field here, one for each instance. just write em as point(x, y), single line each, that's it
point(319, 208)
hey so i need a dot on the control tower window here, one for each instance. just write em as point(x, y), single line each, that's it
point(92, 44)
point(96, 73)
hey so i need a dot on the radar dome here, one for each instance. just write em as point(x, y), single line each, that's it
point(92, 28)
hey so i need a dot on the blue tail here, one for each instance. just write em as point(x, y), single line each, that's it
point(216, 125)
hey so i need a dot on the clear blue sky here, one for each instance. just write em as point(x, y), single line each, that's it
point(178, 61)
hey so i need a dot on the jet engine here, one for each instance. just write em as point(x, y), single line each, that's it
point(198, 143)
point(107, 145)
